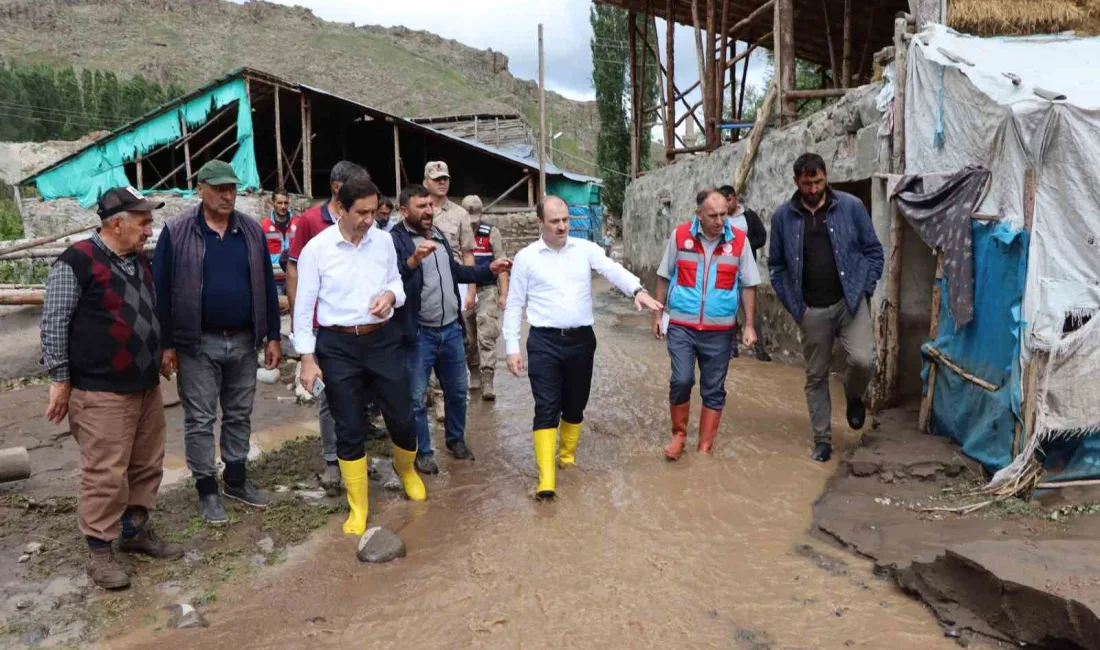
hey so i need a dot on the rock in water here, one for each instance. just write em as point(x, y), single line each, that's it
point(379, 545)
point(185, 616)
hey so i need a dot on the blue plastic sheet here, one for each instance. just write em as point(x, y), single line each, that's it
point(101, 166)
point(983, 422)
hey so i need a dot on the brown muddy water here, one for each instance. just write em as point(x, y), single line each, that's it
point(635, 553)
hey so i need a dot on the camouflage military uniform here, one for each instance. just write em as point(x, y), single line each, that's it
point(483, 322)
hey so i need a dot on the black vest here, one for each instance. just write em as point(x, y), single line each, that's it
point(114, 334)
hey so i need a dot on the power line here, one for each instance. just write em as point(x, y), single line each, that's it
point(588, 162)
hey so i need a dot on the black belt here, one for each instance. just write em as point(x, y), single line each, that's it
point(228, 332)
point(564, 332)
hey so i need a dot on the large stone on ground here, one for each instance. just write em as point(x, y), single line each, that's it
point(184, 616)
point(379, 545)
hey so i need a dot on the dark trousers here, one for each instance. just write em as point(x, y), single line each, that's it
point(560, 369)
point(357, 369)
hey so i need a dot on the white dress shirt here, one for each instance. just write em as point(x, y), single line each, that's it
point(341, 280)
point(556, 286)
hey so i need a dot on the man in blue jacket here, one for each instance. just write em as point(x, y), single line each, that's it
point(824, 261)
point(432, 320)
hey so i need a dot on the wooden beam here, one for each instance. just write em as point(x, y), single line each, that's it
point(307, 147)
point(669, 69)
point(897, 163)
point(711, 83)
point(680, 95)
point(190, 135)
point(526, 178)
point(846, 58)
point(186, 151)
point(396, 161)
point(635, 92)
point(817, 93)
point(744, 79)
point(700, 60)
point(279, 140)
point(695, 149)
point(640, 126)
point(720, 73)
point(784, 58)
point(140, 173)
point(22, 246)
point(948, 363)
point(933, 332)
point(829, 41)
point(744, 55)
point(530, 191)
point(748, 20)
point(542, 117)
point(762, 116)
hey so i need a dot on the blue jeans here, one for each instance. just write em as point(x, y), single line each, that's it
point(440, 348)
point(712, 351)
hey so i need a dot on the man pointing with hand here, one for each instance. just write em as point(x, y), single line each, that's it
point(552, 278)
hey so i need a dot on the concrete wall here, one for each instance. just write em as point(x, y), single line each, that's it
point(844, 134)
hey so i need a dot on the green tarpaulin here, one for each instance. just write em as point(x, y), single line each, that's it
point(101, 167)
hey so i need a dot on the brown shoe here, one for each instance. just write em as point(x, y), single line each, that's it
point(105, 570)
point(475, 379)
point(147, 543)
point(488, 392)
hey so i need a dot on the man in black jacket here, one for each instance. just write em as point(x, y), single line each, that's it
point(432, 320)
point(747, 220)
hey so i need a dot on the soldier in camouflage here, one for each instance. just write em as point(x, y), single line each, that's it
point(483, 321)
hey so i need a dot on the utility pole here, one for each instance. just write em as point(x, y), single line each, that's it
point(542, 119)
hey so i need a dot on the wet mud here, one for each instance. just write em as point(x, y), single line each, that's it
point(635, 553)
point(1015, 571)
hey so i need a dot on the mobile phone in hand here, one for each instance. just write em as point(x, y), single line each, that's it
point(318, 388)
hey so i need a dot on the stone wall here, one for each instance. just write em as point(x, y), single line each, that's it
point(845, 134)
point(518, 229)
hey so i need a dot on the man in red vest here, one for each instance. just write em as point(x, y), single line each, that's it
point(279, 227)
point(706, 264)
point(483, 321)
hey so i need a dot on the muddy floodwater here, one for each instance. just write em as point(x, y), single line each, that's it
point(635, 553)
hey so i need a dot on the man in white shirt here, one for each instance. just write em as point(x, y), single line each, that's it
point(706, 263)
point(349, 273)
point(552, 278)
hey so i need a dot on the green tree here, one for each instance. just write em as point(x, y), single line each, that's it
point(16, 124)
point(110, 100)
point(609, 63)
point(652, 80)
point(173, 91)
point(71, 103)
point(88, 99)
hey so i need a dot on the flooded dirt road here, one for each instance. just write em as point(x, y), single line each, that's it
point(635, 553)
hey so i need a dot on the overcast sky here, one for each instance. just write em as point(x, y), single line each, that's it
point(511, 27)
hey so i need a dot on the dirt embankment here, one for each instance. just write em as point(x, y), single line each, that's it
point(1016, 571)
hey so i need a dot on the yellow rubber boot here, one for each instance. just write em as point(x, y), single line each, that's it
point(403, 466)
point(354, 473)
point(545, 445)
point(570, 436)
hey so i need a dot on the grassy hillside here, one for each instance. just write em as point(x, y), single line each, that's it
point(407, 72)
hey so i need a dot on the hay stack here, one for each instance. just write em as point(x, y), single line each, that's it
point(1022, 17)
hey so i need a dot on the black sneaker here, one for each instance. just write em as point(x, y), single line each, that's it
point(857, 413)
point(211, 509)
point(460, 451)
point(246, 494)
point(822, 452)
point(426, 464)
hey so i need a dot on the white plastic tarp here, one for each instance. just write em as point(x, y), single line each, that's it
point(963, 107)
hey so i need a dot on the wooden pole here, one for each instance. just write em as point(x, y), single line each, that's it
point(817, 93)
point(933, 332)
point(27, 298)
point(846, 60)
point(670, 67)
point(897, 231)
point(542, 118)
point(829, 42)
point(34, 243)
point(640, 128)
point(475, 128)
point(526, 179)
point(140, 174)
point(762, 116)
point(733, 88)
point(1031, 369)
point(720, 73)
point(635, 92)
point(748, 20)
point(530, 191)
point(957, 369)
point(744, 79)
point(307, 148)
point(186, 152)
point(279, 139)
point(784, 55)
point(745, 55)
point(396, 161)
point(710, 103)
